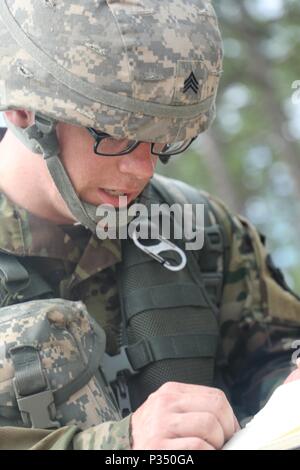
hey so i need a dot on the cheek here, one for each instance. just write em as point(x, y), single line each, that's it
point(74, 165)
point(88, 172)
point(81, 165)
point(83, 170)
point(76, 153)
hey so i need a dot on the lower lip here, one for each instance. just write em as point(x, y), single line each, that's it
point(116, 201)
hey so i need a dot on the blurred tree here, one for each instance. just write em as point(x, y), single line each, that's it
point(251, 156)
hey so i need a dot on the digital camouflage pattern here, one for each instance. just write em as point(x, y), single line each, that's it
point(140, 69)
point(123, 68)
point(112, 435)
point(78, 266)
point(67, 340)
point(258, 322)
point(106, 436)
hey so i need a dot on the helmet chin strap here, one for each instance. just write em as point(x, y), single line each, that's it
point(41, 138)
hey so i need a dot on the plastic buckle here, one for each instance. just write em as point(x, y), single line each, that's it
point(155, 250)
point(116, 370)
point(213, 283)
point(213, 237)
point(37, 406)
point(114, 365)
point(122, 395)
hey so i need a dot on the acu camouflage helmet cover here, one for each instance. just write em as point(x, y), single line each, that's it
point(50, 357)
point(143, 69)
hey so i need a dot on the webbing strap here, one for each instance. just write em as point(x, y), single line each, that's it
point(12, 270)
point(65, 187)
point(34, 396)
point(163, 296)
point(36, 289)
point(17, 284)
point(14, 278)
point(215, 238)
point(41, 138)
point(176, 191)
point(157, 348)
point(94, 360)
point(29, 376)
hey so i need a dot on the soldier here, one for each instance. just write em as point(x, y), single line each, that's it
point(102, 89)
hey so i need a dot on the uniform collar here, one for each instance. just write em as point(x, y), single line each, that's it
point(24, 234)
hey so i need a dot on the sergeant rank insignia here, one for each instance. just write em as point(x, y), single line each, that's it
point(191, 83)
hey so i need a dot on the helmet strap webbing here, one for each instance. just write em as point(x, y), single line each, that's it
point(41, 138)
point(83, 212)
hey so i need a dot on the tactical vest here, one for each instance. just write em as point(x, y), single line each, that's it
point(169, 318)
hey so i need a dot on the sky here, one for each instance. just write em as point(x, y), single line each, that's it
point(266, 9)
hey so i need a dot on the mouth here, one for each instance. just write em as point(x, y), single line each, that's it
point(115, 192)
point(116, 198)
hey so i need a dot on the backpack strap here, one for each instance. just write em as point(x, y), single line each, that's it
point(18, 284)
point(216, 234)
point(154, 301)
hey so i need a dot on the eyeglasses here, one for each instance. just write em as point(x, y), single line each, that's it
point(108, 146)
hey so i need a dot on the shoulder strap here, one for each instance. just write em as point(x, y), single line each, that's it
point(17, 284)
point(217, 237)
point(156, 346)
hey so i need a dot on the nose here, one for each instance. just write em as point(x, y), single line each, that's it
point(140, 163)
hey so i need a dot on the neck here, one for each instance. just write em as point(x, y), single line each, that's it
point(25, 180)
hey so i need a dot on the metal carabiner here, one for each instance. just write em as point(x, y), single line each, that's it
point(155, 250)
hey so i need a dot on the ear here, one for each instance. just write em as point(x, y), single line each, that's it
point(20, 117)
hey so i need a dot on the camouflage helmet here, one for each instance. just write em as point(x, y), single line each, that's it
point(146, 70)
point(50, 366)
point(142, 69)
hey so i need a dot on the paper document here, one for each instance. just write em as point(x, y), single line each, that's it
point(275, 426)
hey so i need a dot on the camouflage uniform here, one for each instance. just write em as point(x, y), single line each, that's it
point(153, 78)
point(258, 323)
